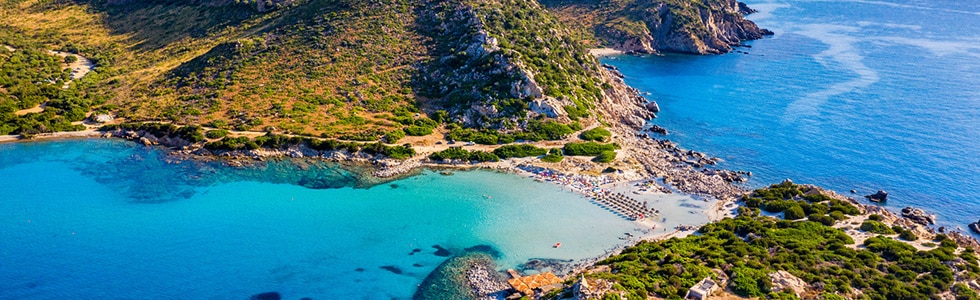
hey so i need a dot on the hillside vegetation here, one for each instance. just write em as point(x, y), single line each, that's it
point(743, 253)
point(351, 69)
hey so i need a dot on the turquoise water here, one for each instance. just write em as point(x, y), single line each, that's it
point(861, 95)
point(106, 219)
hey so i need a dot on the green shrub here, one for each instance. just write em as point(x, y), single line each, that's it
point(216, 134)
point(776, 206)
point(587, 148)
point(873, 226)
point(550, 130)
point(451, 153)
point(598, 134)
point(794, 212)
point(822, 219)
point(481, 156)
point(875, 217)
point(508, 151)
point(415, 130)
point(749, 282)
point(393, 136)
point(605, 156)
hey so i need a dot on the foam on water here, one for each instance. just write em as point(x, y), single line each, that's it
point(861, 95)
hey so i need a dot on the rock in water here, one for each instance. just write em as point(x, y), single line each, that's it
point(658, 129)
point(266, 296)
point(440, 251)
point(653, 106)
point(880, 196)
point(918, 215)
point(975, 226)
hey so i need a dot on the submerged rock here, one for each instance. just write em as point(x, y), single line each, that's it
point(658, 129)
point(392, 269)
point(266, 296)
point(440, 251)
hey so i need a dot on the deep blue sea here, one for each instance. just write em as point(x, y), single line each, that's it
point(861, 95)
point(109, 219)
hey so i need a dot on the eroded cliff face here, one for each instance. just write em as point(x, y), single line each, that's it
point(489, 77)
point(716, 27)
point(648, 26)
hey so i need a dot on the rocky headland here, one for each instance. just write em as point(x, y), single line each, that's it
point(652, 26)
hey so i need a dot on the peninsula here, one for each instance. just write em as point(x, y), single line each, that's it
point(503, 84)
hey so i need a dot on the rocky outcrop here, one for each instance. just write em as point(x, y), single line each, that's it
point(472, 71)
point(783, 281)
point(630, 43)
point(918, 215)
point(682, 170)
point(653, 107)
point(651, 26)
point(685, 27)
point(975, 226)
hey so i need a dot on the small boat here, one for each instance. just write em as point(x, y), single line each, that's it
point(558, 244)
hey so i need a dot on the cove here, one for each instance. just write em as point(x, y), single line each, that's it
point(109, 219)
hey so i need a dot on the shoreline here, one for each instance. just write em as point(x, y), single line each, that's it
point(601, 52)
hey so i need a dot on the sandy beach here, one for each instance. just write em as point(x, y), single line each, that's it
point(83, 134)
point(600, 52)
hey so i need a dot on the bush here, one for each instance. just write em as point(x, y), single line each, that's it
point(415, 130)
point(776, 206)
point(461, 154)
point(822, 219)
point(605, 156)
point(794, 212)
point(451, 153)
point(508, 151)
point(481, 156)
point(394, 135)
point(551, 158)
point(749, 282)
point(587, 148)
point(875, 217)
point(598, 134)
point(908, 235)
point(550, 130)
point(873, 226)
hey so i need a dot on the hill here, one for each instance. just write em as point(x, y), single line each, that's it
point(349, 69)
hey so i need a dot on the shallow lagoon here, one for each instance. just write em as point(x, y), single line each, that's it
point(109, 219)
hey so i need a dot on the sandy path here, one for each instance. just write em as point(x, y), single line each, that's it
point(36, 109)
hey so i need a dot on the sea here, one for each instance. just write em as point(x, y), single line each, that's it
point(110, 219)
point(848, 95)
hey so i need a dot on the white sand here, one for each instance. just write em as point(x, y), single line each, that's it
point(600, 52)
